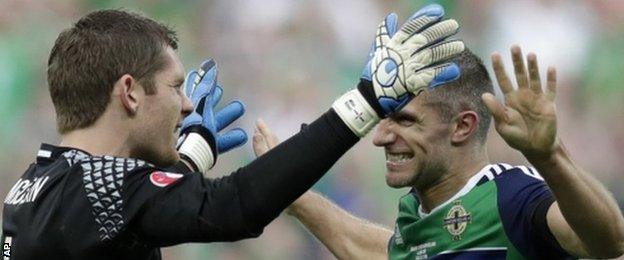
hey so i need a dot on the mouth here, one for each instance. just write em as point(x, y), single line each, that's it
point(397, 160)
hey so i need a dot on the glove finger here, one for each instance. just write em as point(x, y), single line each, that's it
point(210, 101)
point(420, 20)
point(189, 83)
point(231, 139)
point(385, 31)
point(206, 67)
point(390, 23)
point(228, 114)
point(432, 35)
point(215, 97)
point(433, 77)
point(208, 74)
point(434, 54)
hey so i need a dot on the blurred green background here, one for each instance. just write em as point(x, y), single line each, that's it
point(288, 59)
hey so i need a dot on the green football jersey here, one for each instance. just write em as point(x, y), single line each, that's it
point(499, 214)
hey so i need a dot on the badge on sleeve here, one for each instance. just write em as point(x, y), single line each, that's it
point(162, 179)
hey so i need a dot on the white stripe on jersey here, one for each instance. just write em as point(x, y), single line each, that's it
point(489, 175)
point(474, 249)
point(506, 166)
point(490, 171)
point(530, 172)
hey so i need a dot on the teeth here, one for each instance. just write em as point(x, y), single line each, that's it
point(399, 157)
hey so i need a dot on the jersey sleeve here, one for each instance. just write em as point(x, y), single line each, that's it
point(170, 208)
point(163, 208)
point(523, 201)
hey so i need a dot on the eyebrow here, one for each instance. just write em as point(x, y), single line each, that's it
point(178, 82)
point(402, 114)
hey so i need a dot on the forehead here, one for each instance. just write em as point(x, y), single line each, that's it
point(173, 68)
point(417, 106)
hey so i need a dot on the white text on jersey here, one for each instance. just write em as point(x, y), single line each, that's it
point(25, 191)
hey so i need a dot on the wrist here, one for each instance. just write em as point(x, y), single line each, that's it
point(198, 147)
point(549, 159)
point(356, 112)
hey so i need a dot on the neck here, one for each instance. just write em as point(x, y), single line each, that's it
point(454, 178)
point(98, 140)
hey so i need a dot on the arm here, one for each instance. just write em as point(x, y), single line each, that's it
point(585, 219)
point(345, 235)
point(238, 206)
point(257, 193)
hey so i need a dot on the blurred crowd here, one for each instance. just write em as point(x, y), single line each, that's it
point(287, 60)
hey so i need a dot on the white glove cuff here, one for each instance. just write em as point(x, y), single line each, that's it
point(359, 116)
point(198, 150)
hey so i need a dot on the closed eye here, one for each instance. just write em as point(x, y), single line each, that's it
point(404, 120)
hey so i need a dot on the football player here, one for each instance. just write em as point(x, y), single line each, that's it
point(461, 205)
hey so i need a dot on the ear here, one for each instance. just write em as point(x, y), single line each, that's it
point(466, 124)
point(127, 89)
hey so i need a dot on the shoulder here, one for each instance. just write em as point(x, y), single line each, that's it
point(502, 172)
point(513, 183)
point(519, 172)
point(408, 203)
point(103, 179)
point(107, 164)
point(508, 177)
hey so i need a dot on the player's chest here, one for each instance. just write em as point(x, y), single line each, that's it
point(469, 226)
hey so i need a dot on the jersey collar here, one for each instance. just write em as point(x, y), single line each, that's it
point(472, 182)
point(49, 153)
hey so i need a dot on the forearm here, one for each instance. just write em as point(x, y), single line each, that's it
point(345, 235)
point(587, 206)
point(273, 181)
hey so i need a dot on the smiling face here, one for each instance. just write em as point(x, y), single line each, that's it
point(417, 142)
point(160, 115)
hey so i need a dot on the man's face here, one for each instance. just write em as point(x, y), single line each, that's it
point(160, 115)
point(416, 142)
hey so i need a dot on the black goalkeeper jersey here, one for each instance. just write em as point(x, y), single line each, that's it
point(72, 205)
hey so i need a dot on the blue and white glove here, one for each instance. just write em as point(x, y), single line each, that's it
point(200, 140)
point(400, 65)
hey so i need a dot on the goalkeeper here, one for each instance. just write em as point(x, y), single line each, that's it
point(117, 188)
point(461, 205)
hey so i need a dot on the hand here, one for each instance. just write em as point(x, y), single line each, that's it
point(201, 87)
point(527, 121)
point(403, 63)
point(263, 138)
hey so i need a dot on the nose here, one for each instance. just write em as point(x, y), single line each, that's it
point(187, 106)
point(384, 136)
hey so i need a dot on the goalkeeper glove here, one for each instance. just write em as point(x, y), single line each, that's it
point(401, 64)
point(200, 140)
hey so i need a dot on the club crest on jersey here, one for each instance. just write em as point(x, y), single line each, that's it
point(456, 220)
point(162, 179)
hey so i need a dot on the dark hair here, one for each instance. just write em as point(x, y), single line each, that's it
point(465, 93)
point(88, 58)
